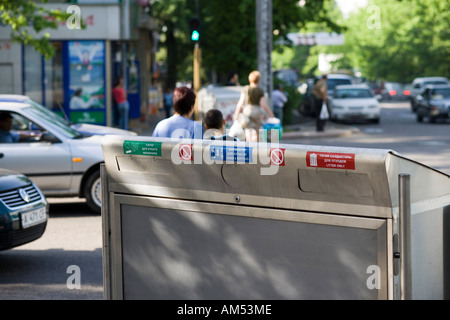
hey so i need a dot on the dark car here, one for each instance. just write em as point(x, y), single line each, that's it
point(23, 210)
point(288, 76)
point(419, 84)
point(433, 103)
point(307, 106)
point(333, 80)
point(395, 91)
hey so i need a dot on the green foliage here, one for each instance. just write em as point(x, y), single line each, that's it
point(411, 40)
point(25, 16)
point(228, 33)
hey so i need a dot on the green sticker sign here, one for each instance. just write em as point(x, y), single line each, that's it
point(142, 148)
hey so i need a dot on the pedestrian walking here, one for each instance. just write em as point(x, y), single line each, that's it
point(168, 101)
point(180, 124)
point(320, 93)
point(123, 107)
point(215, 126)
point(278, 100)
point(252, 103)
point(233, 79)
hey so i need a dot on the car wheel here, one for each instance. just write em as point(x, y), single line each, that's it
point(419, 118)
point(93, 192)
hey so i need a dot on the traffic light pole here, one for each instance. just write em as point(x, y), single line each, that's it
point(197, 66)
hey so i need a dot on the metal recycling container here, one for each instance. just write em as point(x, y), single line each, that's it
point(198, 219)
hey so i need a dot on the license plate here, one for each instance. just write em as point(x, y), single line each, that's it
point(355, 115)
point(34, 217)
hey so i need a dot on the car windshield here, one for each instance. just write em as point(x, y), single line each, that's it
point(440, 93)
point(393, 86)
point(352, 93)
point(49, 116)
point(434, 82)
point(332, 83)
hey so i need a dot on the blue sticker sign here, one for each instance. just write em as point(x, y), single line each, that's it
point(231, 154)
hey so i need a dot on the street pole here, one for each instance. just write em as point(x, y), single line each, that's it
point(404, 199)
point(264, 39)
point(197, 66)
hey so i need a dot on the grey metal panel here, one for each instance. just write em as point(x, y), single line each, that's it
point(427, 255)
point(161, 176)
point(325, 206)
point(181, 250)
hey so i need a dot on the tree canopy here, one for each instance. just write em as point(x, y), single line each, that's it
point(27, 19)
point(227, 32)
point(398, 40)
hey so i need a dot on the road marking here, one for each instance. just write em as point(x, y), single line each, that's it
point(373, 130)
point(432, 143)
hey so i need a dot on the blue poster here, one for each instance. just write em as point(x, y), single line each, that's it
point(87, 81)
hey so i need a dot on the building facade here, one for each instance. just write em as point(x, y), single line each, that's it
point(117, 41)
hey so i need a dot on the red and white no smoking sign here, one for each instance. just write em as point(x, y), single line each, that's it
point(277, 156)
point(330, 160)
point(185, 152)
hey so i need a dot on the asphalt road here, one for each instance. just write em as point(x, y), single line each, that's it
point(427, 143)
point(39, 270)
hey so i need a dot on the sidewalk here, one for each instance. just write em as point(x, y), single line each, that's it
point(304, 127)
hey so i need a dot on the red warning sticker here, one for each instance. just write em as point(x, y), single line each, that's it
point(185, 152)
point(330, 160)
point(277, 157)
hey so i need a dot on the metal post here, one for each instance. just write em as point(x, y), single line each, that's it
point(405, 236)
point(264, 38)
point(197, 66)
point(108, 86)
point(106, 235)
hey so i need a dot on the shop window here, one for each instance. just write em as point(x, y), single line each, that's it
point(32, 64)
point(54, 88)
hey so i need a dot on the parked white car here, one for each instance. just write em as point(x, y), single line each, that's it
point(354, 102)
point(59, 159)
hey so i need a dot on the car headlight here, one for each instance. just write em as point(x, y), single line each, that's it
point(372, 106)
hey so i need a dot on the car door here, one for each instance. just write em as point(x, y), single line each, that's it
point(46, 163)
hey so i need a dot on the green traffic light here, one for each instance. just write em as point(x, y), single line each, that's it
point(195, 35)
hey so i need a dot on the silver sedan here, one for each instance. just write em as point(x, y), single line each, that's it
point(63, 160)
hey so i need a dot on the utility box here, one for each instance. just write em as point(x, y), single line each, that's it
point(224, 99)
point(197, 219)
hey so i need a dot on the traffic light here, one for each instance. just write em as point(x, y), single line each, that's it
point(195, 29)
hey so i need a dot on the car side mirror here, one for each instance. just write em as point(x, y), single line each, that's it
point(420, 98)
point(379, 97)
point(48, 137)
